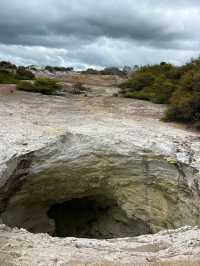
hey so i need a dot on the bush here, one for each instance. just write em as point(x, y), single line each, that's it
point(157, 90)
point(61, 69)
point(7, 77)
point(161, 91)
point(46, 86)
point(184, 108)
point(41, 85)
point(112, 71)
point(108, 71)
point(11, 74)
point(185, 103)
point(25, 86)
point(24, 74)
point(7, 65)
point(138, 81)
point(91, 71)
point(179, 87)
point(142, 95)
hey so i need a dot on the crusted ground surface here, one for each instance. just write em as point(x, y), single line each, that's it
point(29, 121)
point(173, 247)
point(54, 149)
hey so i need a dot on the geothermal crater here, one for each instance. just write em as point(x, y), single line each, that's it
point(94, 167)
point(99, 196)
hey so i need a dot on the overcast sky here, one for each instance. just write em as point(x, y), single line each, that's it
point(84, 33)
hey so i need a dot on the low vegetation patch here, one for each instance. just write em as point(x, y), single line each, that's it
point(11, 74)
point(179, 87)
point(108, 71)
point(40, 85)
point(25, 78)
point(59, 69)
point(24, 74)
point(7, 77)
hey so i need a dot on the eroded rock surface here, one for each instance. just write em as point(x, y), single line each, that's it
point(139, 174)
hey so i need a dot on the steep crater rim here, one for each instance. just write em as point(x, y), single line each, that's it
point(102, 197)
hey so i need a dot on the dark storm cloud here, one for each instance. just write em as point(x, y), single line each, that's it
point(86, 32)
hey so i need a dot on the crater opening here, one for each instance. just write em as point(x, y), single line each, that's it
point(93, 217)
point(102, 200)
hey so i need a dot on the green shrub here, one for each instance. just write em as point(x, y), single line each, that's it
point(141, 95)
point(24, 74)
point(138, 81)
point(11, 74)
point(161, 91)
point(25, 86)
point(158, 91)
point(184, 107)
point(56, 68)
point(7, 77)
point(46, 85)
point(7, 65)
point(41, 85)
point(179, 87)
point(112, 71)
point(185, 103)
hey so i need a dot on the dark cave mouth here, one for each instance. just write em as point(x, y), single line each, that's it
point(95, 218)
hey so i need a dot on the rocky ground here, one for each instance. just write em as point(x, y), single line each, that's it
point(170, 248)
point(54, 149)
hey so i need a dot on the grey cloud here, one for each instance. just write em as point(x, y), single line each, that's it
point(20, 23)
point(88, 32)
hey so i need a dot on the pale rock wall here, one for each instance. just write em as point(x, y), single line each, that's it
point(151, 189)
